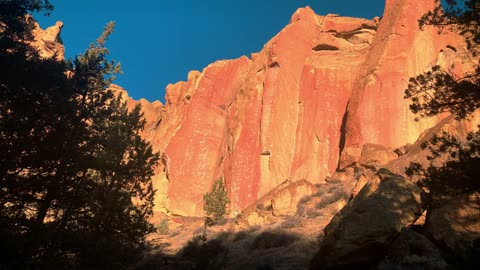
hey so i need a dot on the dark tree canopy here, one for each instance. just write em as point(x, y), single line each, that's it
point(439, 91)
point(459, 172)
point(75, 176)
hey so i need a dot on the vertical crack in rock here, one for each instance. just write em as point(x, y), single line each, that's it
point(343, 132)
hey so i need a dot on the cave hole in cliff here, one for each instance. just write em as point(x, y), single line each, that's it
point(274, 65)
point(371, 27)
point(451, 48)
point(325, 47)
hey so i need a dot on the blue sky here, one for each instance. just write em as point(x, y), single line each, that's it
point(160, 41)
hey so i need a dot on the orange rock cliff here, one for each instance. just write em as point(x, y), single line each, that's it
point(299, 109)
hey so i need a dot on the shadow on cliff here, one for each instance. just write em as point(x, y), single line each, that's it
point(248, 249)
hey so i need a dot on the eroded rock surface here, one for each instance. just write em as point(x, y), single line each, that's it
point(412, 250)
point(456, 224)
point(307, 102)
point(258, 121)
point(363, 231)
point(377, 112)
point(48, 41)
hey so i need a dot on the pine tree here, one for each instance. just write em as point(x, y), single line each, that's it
point(216, 201)
point(75, 176)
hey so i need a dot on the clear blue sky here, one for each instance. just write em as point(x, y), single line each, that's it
point(160, 41)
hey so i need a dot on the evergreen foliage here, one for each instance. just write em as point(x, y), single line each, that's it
point(458, 173)
point(75, 176)
point(216, 201)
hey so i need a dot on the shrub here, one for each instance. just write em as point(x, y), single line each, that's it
point(328, 199)
point(245, 233)
point(320, 192)
point(305, 199)
point(311, 213)
point(206, 255)
point(216, 201)
point(162, 226)
point(291, 222)
point(240, 236)
point(268, 239)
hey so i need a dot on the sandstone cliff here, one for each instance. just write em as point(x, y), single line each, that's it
point(317, 91)
point(299, 109)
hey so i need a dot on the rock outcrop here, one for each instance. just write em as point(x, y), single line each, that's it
point(322, 106)
point(456, 224)
point(364, 230)
point(300, 108)
point(377, 112)
point(285, 201)
point(258, 121)
point(48, 41)
point(413, 251)
point(307, 102)
point(283, 114)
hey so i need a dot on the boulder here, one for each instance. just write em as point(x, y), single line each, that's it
point(286, 200)
point(412, 250)
point(456, 224)
point(374, 155)
point(363, 231)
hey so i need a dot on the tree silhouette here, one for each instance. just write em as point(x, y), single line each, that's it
point(75, 176)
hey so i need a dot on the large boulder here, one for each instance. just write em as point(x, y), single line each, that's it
point(456, 224)
point(374, 155)
point(412, 250)
point(281, 201)
point(363, 231)
point(286, 200)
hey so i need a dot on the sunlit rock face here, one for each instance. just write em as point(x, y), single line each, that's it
point(377, 112)
point(258, 121)
point(48, 41)
point(302, 106)
point(154, 113)
point(307, 102)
